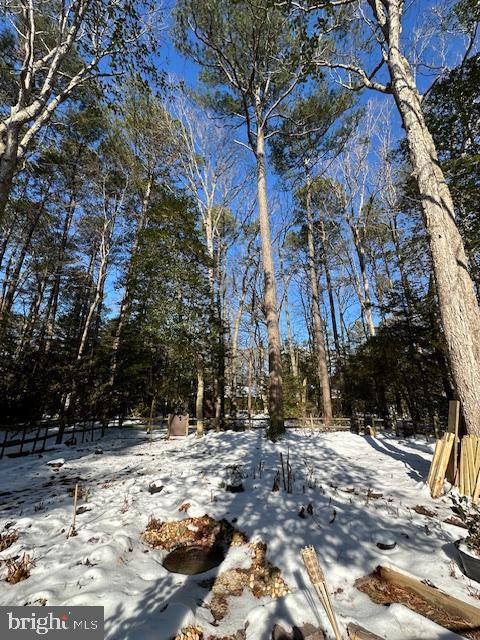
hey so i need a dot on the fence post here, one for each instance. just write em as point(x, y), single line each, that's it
point(45, 439)
point(35, 441)
point(4, 444)
point(23, 439)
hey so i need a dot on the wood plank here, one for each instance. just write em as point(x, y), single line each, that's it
point(476, 451)
point(454, 427)
point(462, 472)
point(475, 445)
point(468, 488)
point(476, 491)
point(471, 464)
point(453, 416)
point(432, 464)
point(464, 459)
point(452, 605)
point(443, 464)
point(356, 632)
point(435, 463)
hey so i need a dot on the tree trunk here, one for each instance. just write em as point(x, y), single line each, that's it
point(53, 302)
point(8, 164)
point(105, 242)
point(250, 385)
point(219, 321)
point(366, 301)
point(8, 298)
point(234, 351)
point(407, 290)
point(331, 301)
point(107, 232)
point(199, 402)
point(126, 298)
point(318, 326)
point(275, 385)
point(459, 311)
point(291, 345)
point(7, 234)
point(33, 314)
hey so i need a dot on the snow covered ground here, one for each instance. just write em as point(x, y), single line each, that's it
point(362, 491)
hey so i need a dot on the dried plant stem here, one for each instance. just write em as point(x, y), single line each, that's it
point(283, 471)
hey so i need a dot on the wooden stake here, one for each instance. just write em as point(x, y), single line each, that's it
point(476, 490)
point(462, 473)
point(433, 463)
point(453, 427)
point(72, 531)
point(436, 463)
point(472, 476)
point(442, 465)
point(466, 467)
point(317, 579)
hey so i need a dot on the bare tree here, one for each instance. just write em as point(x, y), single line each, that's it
point(352, 186)
point(459, 310)
point(207, 166)
point(61, 48)
point(250, 52)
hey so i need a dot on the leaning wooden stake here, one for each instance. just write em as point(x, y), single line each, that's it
point(441, 470)
point(317, 579)
point(454, 427)
point(73, 531)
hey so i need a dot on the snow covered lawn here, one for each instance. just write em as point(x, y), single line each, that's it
point(362, 491)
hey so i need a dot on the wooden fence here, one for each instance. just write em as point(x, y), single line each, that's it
point(21, 440)
point(358, 424)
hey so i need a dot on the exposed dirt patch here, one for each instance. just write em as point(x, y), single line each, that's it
point(307, 632)
point(424, 511)
point(456, 522)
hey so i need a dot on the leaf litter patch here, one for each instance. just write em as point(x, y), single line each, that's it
point(196, 543)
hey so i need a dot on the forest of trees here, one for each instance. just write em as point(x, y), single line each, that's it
point(291, 227)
